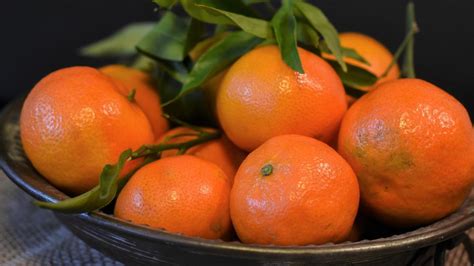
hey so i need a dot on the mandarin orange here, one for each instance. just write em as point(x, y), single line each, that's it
point(261, 97)
point(75, 121)
point(294, 190)
point(412, 148)
point(181, 194)
point(146, 96)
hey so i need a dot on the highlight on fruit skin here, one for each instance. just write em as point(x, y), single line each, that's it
point(145, 95)
point(412, 148)
point(221, 151)
point(180, 194)
point(261, 97)
point(75, 121)
point(294, 190)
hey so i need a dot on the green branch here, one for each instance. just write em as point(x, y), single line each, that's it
point(406, 46)
point(110, 183)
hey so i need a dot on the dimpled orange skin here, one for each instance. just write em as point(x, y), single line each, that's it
point(221, 151)
point(373, 52)
point(145, 96)
point(181, 194)
point(310, 197)
point(411, 146)
point(261, 97)
point(74, 121)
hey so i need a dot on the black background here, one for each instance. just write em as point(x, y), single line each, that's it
point(38, 37)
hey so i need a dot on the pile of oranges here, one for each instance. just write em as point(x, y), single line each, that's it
point(293, 162)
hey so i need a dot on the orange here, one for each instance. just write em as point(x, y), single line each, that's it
point(294, 190)
point(75, 121)
point(181, 194)
point(220, 151)
point(261, 97)
point(411, 146)
point(374, 52)
point(145, 94)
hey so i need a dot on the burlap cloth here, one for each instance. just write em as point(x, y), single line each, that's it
point(32, 236)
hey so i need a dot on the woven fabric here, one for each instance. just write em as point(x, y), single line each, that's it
point(32, 236)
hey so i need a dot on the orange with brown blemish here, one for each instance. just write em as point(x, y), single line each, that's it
point(411, 146)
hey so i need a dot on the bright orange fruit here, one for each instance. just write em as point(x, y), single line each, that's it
point(411, 145)
point(75, 121)
point(181, 194)
point(294, 190)
point(261, 97)
point(146, 96)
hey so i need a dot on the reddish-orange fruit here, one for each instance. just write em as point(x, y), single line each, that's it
point(181, 194)
point(146, 96)
point(75, 121)
point(411, 146)
point(374, 52)
point(220, 151)
point(261, 97)
point(294, 190)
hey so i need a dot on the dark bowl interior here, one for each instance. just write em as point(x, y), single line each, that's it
point(141, 245)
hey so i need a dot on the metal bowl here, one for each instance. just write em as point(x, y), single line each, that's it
point(141, 245)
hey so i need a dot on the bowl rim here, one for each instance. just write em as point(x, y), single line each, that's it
point(437, 232)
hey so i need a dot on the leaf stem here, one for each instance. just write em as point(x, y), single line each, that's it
point(110, 184)
point(182, 123)
point(168, 138)
point(408, 69)
point(407, 45)
point(154, 149)
point(131, 95)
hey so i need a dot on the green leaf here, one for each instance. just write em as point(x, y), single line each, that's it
point(316, 18)
point(407, 46)
point(217, 58)
point(257, 27)
point(252, 2)
point(307, 35)
point(355, 77)
point(165, 3)
point(235, 6)
point(98, 197)
point(347, 52)
point(110, 175)
point(351, 53)
point(202, 46)
point(284, 25)
point(121, 43)
point(171, 38)
point(175, 69)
